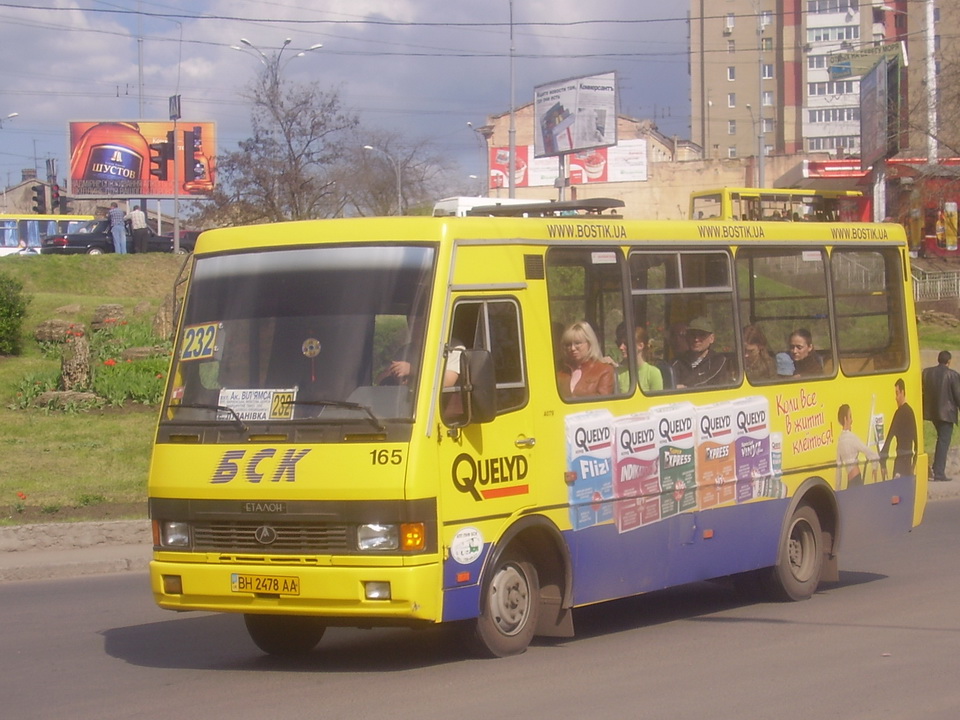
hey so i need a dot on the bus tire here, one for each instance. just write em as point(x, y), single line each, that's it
point(510, 608)
point(284, 635)
point(800, 557)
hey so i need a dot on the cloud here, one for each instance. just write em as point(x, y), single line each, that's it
point(416, 66)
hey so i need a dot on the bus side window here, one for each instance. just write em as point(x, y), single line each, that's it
point(492, 325)
point(868, 294)
point(784, 290)
point(684, 300)
point(587, 298)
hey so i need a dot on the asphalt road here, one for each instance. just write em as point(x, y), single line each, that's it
point(880, 644)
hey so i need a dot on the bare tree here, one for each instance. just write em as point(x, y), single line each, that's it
point(286, 169)
point(383, 169)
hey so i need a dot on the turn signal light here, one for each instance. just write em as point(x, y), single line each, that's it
point(412, 536)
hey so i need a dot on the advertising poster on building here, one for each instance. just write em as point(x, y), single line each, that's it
point(575, 114)
point(624, 162)
point(125, 159)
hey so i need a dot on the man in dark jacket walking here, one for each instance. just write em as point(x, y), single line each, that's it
point(941, 398)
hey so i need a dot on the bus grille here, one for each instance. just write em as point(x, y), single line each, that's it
point(290, 538)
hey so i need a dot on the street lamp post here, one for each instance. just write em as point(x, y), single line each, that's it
point(483, 135)
point(399, 170)
point(273, 64)
point(10, 116)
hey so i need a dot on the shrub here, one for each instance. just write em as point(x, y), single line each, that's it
point(13, 309)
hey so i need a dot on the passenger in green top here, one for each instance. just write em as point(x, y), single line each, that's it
point(648, 375)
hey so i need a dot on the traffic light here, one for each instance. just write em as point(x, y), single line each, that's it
point(160, 153)
point(39, 199)
point(65, 208)
point(188, 167)
point(54, 198)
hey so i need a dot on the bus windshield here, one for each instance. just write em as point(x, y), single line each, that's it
point(314, 334)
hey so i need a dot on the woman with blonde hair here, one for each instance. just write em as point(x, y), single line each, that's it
point(583, 373)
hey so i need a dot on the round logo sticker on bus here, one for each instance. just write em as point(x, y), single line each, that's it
point(466, 546)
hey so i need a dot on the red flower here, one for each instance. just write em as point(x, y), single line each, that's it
point(21, 495)
point(110, 361)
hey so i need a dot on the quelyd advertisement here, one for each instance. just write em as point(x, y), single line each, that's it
point(120, 158)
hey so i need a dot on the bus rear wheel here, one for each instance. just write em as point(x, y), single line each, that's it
point(511, 603)
point(284, 635)
point(800, 558)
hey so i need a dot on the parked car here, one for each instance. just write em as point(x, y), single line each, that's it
point(94, 238)
point(188, 240)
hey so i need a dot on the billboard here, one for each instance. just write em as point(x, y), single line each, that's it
point(575, 114)
point(127, 158)
point(880, 112)
point(624, 162)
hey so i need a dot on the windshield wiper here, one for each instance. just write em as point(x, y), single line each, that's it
point(374, 420)
point(200, 406)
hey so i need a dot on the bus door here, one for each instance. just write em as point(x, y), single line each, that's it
point(485, 468)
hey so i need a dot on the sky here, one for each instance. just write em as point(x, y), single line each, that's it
point(423, 68)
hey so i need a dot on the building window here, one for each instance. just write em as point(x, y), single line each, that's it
point(816, 62)
point(767, 71)
point(731, 100)
point(768, 125)
point(732, 151)
point(768, 150)
point(731, 127)
point(731, 47)
point(766, 18)
point(766, 43)
point(831, 115)
point(731, 73)
point(731, 19)
point(833, 34)
point(845, 87)
point(820, 7)
point(767, 98)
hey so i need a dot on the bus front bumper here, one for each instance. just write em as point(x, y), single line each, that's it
point(366, 595)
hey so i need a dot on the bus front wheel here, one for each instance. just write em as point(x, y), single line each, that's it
point(284, 635)
point(510, 608)
point(800, 558)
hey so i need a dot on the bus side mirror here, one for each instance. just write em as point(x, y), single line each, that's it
point(473, 398)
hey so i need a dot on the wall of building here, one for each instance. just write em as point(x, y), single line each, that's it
point(666, 195)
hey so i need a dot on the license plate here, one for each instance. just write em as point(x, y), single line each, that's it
point(268, 584)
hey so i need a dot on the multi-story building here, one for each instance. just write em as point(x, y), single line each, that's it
point(760, 71)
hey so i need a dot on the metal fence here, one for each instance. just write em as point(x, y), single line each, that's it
point(935, 286)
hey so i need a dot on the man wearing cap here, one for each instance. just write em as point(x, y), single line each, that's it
point(700, 365)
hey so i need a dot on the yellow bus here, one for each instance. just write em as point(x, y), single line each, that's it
point(412, 421)
point(780, 204)
point(22, 234)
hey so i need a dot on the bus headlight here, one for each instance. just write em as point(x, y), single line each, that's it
point(174, 534)
point(374, 536)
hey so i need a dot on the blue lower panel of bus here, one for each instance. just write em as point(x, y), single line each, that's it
point(692, 546)
point(680, 549)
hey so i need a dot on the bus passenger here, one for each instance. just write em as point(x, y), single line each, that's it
point(700, 365)
point(583, 372)
point(805, 360)
point(758, 362)
point(648, 375)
